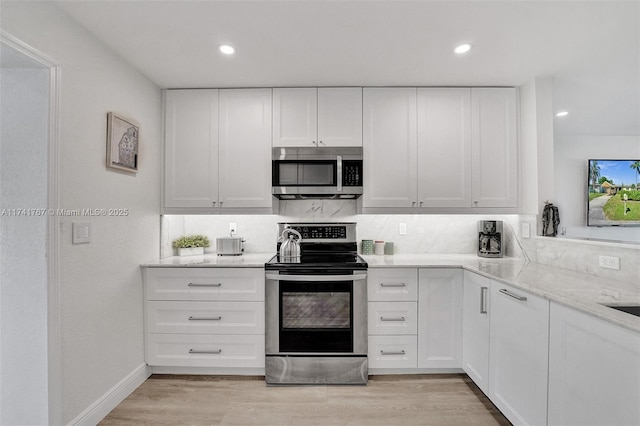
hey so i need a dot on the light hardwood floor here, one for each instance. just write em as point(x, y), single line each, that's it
point(450, 399)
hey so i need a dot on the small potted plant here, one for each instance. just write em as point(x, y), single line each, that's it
point(189, 245)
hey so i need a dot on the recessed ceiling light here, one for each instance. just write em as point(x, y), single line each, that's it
point(463, 48)
point(227, 49)
point(562, 113)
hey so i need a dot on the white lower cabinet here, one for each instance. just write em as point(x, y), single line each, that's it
point(475, 329)
point(594, 371)
point(518, 361)
point(440, 318)
point(393, 352)
point(205, 317)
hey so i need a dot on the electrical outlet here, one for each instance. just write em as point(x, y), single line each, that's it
point(609, 262)
point(526, 230)
point(403, 229)
point(233, 229)
point(81, 232)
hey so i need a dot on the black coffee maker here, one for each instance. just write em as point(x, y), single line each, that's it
point(490, 238)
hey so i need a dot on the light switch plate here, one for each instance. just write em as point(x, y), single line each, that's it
point(526, 230)
point(81, 233)
point(403, 229)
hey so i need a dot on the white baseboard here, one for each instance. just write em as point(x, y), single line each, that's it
point(114, 396)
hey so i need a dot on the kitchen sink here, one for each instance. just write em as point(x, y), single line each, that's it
point(633, 309)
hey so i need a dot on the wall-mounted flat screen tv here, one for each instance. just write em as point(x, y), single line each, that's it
point(614, 193)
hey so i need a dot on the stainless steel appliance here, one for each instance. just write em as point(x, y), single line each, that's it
point(229, 246)
point(316, 309)
point(318, 172)
point(289, 251)
point(490, 238)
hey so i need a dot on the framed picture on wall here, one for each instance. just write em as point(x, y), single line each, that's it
point(122, 143)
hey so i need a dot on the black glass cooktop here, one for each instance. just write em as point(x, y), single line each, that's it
point(321, 261)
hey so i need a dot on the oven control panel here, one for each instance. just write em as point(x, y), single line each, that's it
point(321, 232)
point(328, 232)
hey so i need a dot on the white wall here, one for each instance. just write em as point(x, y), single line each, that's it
point(571, 155)
point(100, 282)
point(24, 102)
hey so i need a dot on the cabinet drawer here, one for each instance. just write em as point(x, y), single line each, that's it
point(205, 317)
point(389, 284)
point(241, 284)
point(391, 318)
point(198, 350)
point(393, 352)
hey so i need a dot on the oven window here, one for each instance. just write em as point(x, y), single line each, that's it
point(304, 173)
point(316, 310)
point(316, 316)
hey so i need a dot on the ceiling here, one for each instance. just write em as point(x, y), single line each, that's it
point(591, 49)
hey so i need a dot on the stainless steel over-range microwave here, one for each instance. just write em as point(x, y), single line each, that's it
point(318, 172)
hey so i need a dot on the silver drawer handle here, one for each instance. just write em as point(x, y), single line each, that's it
point(483, 299)
point(515, 296)
point(204, 285)
point(392, 319)
point(392, 353)
point(393, 285)
point(205, 318)
point(216, 352)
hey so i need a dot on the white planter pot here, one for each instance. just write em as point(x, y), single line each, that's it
point(190, 251)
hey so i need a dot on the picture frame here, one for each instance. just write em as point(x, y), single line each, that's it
point(122, 143)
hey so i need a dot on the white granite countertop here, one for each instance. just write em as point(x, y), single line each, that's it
point(577, 290)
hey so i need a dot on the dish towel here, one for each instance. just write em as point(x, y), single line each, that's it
point(550, 220)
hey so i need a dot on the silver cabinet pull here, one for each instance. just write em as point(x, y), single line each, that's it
point(392, 353)
point(214, 203)
point(515, 296)
point(483, 299)
point(338, 173)
point(204, 285)
point(205, 318)
point(392, 319)
point(393, 285)
point(216, 352)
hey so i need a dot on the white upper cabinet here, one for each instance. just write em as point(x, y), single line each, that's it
point(390, 147)
point(245, 148)
point(494, 147)
point(340, 116)
point(191, 148)
point(444, 147)
point(217, 150)
point(316, 117)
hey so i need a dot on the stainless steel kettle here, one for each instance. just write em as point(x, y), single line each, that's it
point(290, 246)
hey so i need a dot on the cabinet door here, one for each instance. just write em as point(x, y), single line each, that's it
point(475, 329)
point(444, 147)
point(518, 362)
point(340, 116)
point(295, 115)
point(440, 318)
point(245, 148)
point(594, 371)
point(191, 148)
point(390, 147)
point(494, 147)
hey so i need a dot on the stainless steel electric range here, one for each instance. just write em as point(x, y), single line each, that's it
point(316, 309)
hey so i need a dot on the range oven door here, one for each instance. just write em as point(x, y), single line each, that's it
point(316, 312)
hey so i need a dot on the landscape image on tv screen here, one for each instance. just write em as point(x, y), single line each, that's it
point(614, 193)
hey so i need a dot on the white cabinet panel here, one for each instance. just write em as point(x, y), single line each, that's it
point(393, 318)
point(444, 147)
point(340, 116)
point(495, 147)
point(245, 148)
point(205, 317)
point(392, 284)
point(518, 362)
point(241, 284)
point(594, 371)
point(475, 329)
point(201, 350)
point(393, 352)
point(440, 318)
point(390, 147)
point(191, 148)
point(295, 115)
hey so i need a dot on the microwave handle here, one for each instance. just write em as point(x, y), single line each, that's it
point(339, 173)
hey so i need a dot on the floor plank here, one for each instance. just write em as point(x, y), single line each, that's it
point(442, 399)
